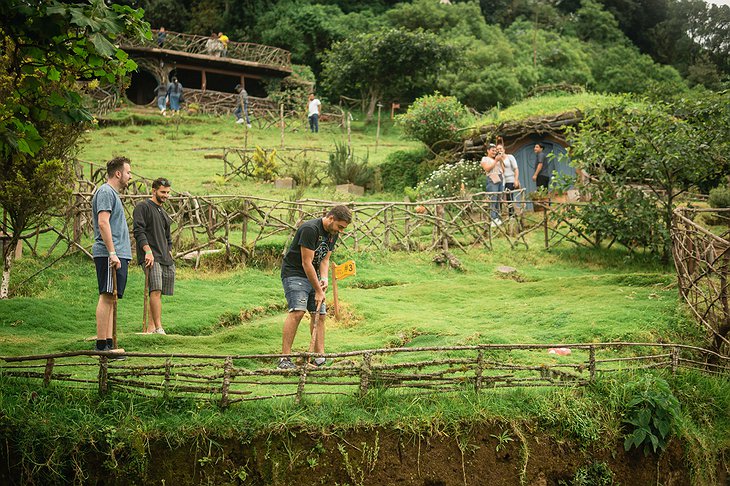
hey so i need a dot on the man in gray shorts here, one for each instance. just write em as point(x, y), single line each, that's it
point(112, 248)
point(154, 249)
point(304, 277)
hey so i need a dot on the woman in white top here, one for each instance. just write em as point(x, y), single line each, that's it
point(493, 166)
point(511, 176)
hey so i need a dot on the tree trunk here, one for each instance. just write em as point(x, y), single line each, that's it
point(8, 250)
point(371, 106)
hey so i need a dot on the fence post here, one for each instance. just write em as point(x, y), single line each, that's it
point(386, 235)
point(281, 121)
point(48, 373)
point(480, 369)
point(545, 226)
point(300, 385)
point(675, 359)
point(356, 246)
point(592, 362)
point(103, 375)
point(244, 224)
point(407, 229)
point(227, 366)
point(365, 374)
point(166, 382)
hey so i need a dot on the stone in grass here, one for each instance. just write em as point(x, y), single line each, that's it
point(506, 270)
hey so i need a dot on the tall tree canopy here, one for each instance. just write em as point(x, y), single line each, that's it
point(47, 47)
point(387, 63)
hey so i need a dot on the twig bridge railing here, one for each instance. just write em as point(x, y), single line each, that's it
point(702, 260)
point(196, 44)
point(231, 379)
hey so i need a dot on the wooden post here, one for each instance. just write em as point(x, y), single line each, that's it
point(244, 223)
point(479, 371)
point(365, 374)
point(349, 138)
point(545, 227)
point(226, 382)
point(145, 327)
point(377, 132)
point(281, 120)
point(48, 373)
point(592, 363)
point(356, 246)
point(114, 307)
point(675, 359)
point(166, 382)
point(407, 230)
point(334, 291)
point(386, 230)
point(103, 375)
point(300, 385)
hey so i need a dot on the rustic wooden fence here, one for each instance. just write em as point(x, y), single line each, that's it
point(701, 251)
point(237, 378)
point(196, 44)
point(236, 226)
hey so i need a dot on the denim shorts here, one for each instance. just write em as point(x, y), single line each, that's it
point(300, 295)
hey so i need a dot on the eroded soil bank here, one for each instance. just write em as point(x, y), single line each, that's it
point(493, 455)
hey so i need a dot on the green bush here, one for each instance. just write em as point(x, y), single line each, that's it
point(401, 169)
point(720, 197)
point(435, 120)
point(652, 413)
point(345, 168)
point(451, 180)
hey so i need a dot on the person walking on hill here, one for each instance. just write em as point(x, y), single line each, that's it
point(154, 249)
point(175, 92)
point(161, 92)
point(304, 278)
point(112, 248)
point(313, 108)
point(241, 110)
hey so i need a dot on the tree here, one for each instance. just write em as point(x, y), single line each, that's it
point(303, 29)
point(48, 46)
point(389, 62)
point(638, 152)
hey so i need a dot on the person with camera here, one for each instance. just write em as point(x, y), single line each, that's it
point(511, 176)
point(493, 166)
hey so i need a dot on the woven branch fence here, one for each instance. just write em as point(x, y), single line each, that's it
point(237, 225)
point(702, 260)
point(196, 44)
point(231, 379)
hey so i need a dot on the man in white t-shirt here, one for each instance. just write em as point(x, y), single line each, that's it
point(313, 109)
point(511, 176)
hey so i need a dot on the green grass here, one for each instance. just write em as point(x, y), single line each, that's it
point(175, 148)
point(565, 295)
point(547, 105)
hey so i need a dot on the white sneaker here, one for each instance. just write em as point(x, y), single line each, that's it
point(495, 223)
point(239, 121)
point(248, 125)
point(160, 331)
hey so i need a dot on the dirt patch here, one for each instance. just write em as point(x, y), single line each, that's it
point(494, 454)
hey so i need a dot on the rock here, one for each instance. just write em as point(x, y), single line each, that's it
point(351, 189)
point(506, 270)
point(285, 183)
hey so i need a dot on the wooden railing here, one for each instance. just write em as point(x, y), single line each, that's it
point(701, 251)
point(196, 44)
point(235, 378)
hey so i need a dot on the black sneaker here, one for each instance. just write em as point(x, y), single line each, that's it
point(286, 364)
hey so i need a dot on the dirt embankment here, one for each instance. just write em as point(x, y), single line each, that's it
point(491, 455)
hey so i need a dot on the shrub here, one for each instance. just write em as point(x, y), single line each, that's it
point(435, 120)
point(720, 197)
point(264, 164)
point(652, 411)
point(345, 168)
point(401, 169)
point(450, 180)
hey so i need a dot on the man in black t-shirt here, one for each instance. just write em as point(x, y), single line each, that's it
point(154, 249)
point(304, 277)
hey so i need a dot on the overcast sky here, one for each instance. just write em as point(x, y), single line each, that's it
point(719, 2)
